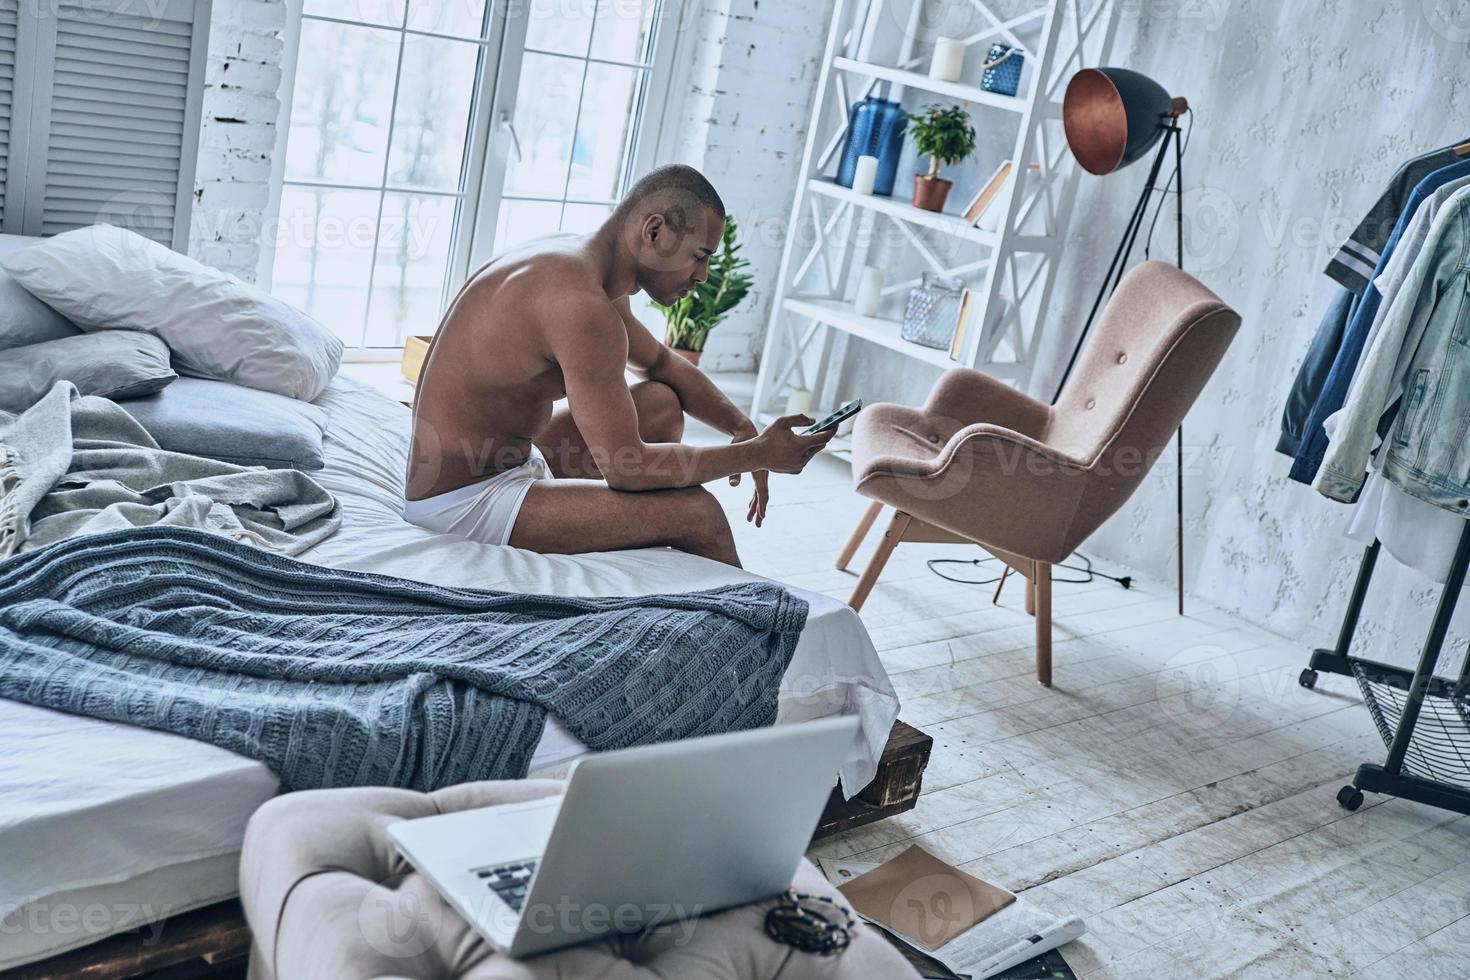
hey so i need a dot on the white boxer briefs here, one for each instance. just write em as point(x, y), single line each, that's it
point(484, 511)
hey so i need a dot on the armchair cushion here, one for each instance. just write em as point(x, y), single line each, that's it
point(986, 482)
point(965, 396)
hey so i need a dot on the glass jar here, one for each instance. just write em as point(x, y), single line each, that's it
point(933, 311)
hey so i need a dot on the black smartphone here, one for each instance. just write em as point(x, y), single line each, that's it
point(836, 418)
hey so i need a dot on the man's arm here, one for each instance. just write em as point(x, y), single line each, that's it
point(653, 361)
point(589, 341)
point(697, 394)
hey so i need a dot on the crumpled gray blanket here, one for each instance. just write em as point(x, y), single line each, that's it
point(340, 678)
point(73, 464)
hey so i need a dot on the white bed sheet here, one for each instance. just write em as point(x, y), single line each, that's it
point(87, 806)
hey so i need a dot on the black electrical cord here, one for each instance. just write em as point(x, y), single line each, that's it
point(1089, 573)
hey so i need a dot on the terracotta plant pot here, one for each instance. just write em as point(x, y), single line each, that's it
point(692, 356)
point(930, 193)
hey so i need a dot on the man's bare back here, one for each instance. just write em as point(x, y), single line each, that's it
point(489, 382)
point(490, 457)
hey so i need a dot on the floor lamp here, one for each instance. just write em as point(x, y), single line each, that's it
point(1112, 117)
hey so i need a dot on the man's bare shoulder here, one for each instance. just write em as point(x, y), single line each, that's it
point(562, 292)
point(539, 280)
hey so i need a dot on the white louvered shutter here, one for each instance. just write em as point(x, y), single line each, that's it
point(114, 119)
point(9, 17)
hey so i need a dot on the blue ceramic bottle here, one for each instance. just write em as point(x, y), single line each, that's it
point(875, 128)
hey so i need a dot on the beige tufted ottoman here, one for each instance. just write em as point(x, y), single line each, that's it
point(327, 896)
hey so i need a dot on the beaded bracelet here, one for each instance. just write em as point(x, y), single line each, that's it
point(811, 923)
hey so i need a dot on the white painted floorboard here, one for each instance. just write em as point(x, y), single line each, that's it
point(1175, 787)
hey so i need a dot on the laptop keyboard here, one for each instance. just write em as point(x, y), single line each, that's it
point(510, 882)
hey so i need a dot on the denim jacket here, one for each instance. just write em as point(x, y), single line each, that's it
point(1423, 344)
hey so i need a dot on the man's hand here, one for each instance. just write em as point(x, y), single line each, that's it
point(746, 431)
point(756, 512)
point(786, 451)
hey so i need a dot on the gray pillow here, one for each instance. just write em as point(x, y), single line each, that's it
point(228, 422)
point(115, 364)
point(106, 278)
point(24, 319)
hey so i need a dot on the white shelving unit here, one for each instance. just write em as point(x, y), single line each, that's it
point(812, 317)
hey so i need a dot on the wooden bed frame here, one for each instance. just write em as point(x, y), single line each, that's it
point(214, 941)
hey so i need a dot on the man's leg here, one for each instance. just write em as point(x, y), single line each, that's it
point(573, 516)
point(660, 419)
point(577, 512)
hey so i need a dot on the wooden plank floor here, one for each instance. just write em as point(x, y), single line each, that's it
point(1175, 788)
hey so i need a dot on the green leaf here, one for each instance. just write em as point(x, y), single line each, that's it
point(943, 132)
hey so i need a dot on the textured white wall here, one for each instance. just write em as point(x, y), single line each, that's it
point(238, 134)
point(1303, 111)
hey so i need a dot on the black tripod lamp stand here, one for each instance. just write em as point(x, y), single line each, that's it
point(1112, 117)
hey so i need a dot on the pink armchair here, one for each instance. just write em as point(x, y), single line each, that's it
point(985, 464)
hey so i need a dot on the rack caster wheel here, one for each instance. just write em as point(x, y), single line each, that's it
point(1350, 798)
point(1307, 678)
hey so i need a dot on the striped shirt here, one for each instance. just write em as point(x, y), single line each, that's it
point(1354, 262)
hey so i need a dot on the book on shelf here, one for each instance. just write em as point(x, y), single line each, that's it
point(962, 320)
point(988, 192)
point(982, 201)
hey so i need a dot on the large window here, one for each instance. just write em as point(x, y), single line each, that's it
point(575, 117)
point(427, 134)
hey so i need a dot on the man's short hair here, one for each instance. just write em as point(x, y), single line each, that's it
point(673, 186)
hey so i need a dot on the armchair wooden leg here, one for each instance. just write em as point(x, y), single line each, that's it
point(1042, 580)
point(891, 538)
point(858, 533)
point(1030, 595)
point(1004, 574)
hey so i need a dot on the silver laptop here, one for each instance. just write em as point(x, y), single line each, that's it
point(642, 838)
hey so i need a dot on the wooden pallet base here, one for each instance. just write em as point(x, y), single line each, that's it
point(895, 789)
point(213, 941)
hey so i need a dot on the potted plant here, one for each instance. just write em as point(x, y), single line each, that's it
point(689, 320)
point(944, 135)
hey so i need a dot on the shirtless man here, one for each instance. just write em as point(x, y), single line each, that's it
point(492, 462)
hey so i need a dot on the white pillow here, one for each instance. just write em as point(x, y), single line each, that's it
point(107, 278)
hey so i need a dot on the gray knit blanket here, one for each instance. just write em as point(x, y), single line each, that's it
point(72, 464)
point(342, 678)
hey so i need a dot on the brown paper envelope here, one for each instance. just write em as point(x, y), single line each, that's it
point(926, 900)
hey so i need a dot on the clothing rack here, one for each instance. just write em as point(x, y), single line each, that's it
point(1424, 719)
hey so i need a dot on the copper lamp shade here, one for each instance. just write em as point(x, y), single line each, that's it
point(1113, 116)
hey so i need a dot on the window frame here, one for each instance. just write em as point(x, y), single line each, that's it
point(646, 128)
point(488, 143)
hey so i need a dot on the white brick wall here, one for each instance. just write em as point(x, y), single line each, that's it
point(752, 74)
point(238, 134)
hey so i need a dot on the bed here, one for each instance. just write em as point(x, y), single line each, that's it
point(104, 828)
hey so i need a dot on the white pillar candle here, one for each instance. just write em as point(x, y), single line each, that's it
point(799, 402)
point(948, 60)
point(869, 291)
point(864, 174)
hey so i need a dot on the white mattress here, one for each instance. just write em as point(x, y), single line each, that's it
point(104, 826)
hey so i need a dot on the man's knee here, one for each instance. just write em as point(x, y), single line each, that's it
point(660, 412)
point(701, 512)
point(704, 528)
